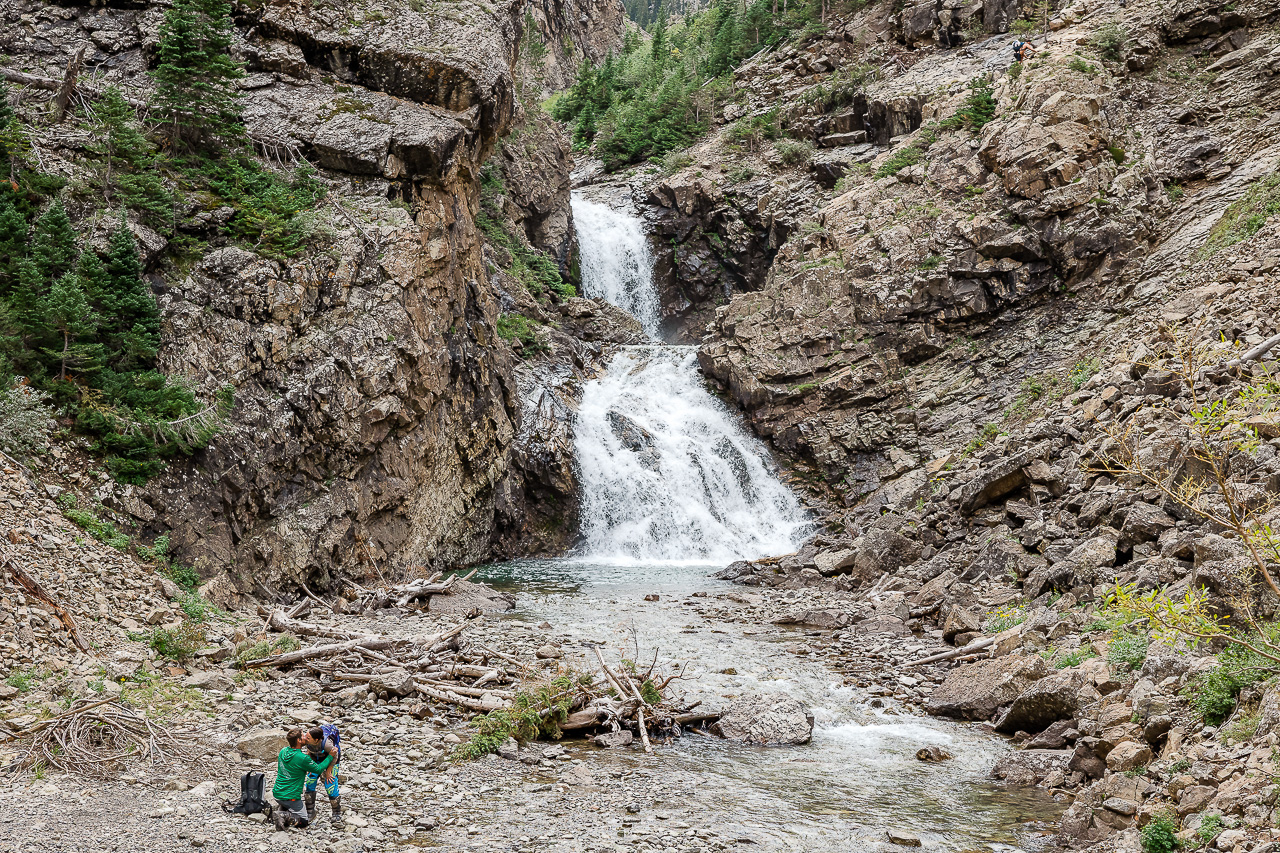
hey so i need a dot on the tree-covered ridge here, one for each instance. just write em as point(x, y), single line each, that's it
point(79, 323)
point(657, 96)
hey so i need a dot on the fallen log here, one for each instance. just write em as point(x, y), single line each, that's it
point(976, 645)
point(63, 98)
point(280, 621)
point(372, 643)
point(1256, 353)
point(458, 699)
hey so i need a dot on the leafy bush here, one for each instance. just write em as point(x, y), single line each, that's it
point(751, 131)
point(1078, 64)
point(197, 607)
point(905, 156)
point(1109, 41)
point(533, 714)
point(1213, 694)
point(25, 421)
point(793, 153)
point(1210, 826)
point(1004, 618)
point(842, 89)
point(1160, 835)
point(24, 679)
point(1075, 658)
point(1243, 727)
point(1127, 651)
point(1083, 371)
point(178, 643)
point(1245, 217)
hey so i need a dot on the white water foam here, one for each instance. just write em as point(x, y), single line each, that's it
point(615, 261)
point(668, 475)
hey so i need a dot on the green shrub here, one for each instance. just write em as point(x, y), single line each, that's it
point(1075, 658)
point(1023, 27)
point(1242, 728)
point(793, 153)
point(904, 157)
point(1078, 64)
point(1004, 618)
point(1210, 826)
point(1127, 651)
point(178, 643)
point(932, 262)
point(1117, 153)
point(103, 531)
point(1160, 835)
point(197, 607)
point(842, 89)
point(978, 109)
point(521, 332)
point(1213, 694)
point(23, 679)
point(752, 131)
point(1175, 192)
point(1109, 41)
point(1083, 371)
point(533, 713)
point(1244, 217)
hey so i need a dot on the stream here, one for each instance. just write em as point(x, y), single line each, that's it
point(673, 489)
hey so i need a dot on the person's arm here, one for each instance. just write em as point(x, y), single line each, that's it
point(317, 767)
point(333, 758)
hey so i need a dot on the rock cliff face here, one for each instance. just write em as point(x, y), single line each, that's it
point(377, 408)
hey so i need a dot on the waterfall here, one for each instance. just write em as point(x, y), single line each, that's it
point(615, 261)
point(667, 472)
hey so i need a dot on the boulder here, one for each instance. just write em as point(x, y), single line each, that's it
point(768, 720)
point(834, 562)
point(211, 681)
point(262, 745)
point(397, 682)
point(611, 740)
point(1127, 756)
point(996, 481)
point(1143, 523)
point(960, 620)
point(829, 619)
point(880, 551)
point(1058, 735)
point(465, 597)
point(1030, 767)
point(1085, 760)
point(976, 690)
point(1043, 703)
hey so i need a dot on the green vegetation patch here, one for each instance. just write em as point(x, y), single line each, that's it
point(1245, 216)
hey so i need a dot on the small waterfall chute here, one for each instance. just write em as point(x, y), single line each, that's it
point(615, 261)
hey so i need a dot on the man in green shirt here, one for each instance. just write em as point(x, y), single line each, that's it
point(292, 766)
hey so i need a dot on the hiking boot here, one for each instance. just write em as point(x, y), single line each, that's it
point(278, 820)
point(309, 800)
point(336, 820)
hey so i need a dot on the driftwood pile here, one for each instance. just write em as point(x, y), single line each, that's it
point(446, 668)
point(94, 739)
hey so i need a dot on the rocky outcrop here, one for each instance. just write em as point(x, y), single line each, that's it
point(378, 418)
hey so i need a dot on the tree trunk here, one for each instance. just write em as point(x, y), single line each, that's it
point(63, 98)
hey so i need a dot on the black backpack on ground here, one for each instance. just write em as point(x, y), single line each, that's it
point(252, 796)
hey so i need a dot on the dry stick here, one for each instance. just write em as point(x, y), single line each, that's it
point(323, 651)
point(955, 653)
point(31, 586)
point(1256, 353)
point(617, 684)
point(453, 698)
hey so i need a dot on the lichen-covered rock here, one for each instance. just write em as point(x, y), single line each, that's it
point(767, 720)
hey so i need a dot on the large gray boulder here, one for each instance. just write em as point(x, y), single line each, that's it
point(262, 745)
point(977, 690)
point(1030, 767)
point(1043, 703)
point(771, 720)
point(466, 597)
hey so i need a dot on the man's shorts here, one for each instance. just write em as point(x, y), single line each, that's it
point(294, 807)
point(330, 787)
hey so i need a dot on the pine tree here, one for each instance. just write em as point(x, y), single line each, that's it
point(13, 243)
point(133, 329)
point(66, 310)
point(129, 161)
point(658, 49)
point(12, 140)
point(195, 76)
point(54, 245)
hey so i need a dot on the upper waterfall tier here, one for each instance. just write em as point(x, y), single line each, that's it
point(615, 261)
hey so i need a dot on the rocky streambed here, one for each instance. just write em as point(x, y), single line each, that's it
point(856, 784)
